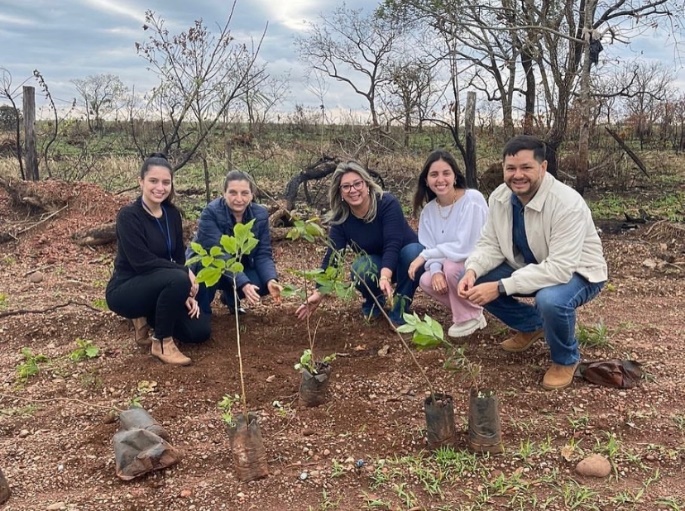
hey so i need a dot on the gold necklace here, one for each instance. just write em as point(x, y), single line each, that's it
point(449, 211)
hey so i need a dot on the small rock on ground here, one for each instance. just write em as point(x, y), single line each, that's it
point(595, 465)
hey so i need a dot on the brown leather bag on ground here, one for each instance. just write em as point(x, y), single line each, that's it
point(621, 374)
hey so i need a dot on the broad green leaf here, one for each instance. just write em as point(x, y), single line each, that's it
point(235, 267)
point(197, 248)
point(216, 251)
point(209, 276)
point(207, 261)
point(424, 342)
point(229, 244)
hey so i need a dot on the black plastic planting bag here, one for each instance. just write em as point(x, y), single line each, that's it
point(141, 445)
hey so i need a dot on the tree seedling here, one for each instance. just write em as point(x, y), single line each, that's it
point(226, 406)
point(85, 350)
point(225, 259)
point(330, 281)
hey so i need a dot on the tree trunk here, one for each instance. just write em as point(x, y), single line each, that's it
point(29, 99)
point(470, 158)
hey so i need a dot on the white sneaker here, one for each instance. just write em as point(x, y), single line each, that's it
point(467, 327)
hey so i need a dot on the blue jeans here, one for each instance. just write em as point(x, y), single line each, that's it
point(205, 295)
point(368, 267)
point(554, 311)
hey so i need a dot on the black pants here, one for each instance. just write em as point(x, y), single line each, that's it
point(159, 296)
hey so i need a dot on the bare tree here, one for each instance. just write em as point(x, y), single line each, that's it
point(544, 39)
point(410, 83)
point(201, 75)
point(651, 86)
point(101, 95)
point(262, 96)
point(8, 92)
point(353, 48)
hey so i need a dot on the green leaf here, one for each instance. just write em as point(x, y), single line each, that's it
point(314, 230)
point(235, 267)
point(92, 351)
point(405, 329)
point(216, 251)
point(229, 243)
point(209, 276)
point(207, 261)
point(193, 260)
point(425, 342)
point(197, 248)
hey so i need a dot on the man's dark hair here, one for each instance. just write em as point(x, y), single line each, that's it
point(523, 143)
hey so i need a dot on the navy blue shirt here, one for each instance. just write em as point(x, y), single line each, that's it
point(217, 219)
point(519, 231)
point(385, 236)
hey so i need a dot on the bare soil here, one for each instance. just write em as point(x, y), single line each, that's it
point(56, 428)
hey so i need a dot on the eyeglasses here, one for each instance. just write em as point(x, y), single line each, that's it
point(357, 185)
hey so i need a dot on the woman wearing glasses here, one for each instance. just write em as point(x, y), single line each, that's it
point(370, 222)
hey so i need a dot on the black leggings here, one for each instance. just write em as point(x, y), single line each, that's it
point(160, 296)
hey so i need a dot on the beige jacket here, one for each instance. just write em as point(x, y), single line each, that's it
point(560, 232)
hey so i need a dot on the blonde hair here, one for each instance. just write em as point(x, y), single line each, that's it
point(340, 210)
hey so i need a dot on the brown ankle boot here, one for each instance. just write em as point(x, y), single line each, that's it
point(167, 352)
point(521, 341)
point(558, 376)
point(141, 331)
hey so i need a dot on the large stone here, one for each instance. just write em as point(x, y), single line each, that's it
point(595, 465)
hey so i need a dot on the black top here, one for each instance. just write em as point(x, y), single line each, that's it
point(146, 243)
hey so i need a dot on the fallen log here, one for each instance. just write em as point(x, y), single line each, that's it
point(99, 235)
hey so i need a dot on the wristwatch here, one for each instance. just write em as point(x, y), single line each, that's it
point(500, 288)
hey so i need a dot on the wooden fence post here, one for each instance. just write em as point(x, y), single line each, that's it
point(469, 124)
point(29, 100)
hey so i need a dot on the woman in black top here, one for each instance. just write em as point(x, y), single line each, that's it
point(151, 283)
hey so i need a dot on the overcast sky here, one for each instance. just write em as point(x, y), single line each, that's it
point(68, 39)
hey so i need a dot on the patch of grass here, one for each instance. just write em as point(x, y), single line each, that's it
point(672, 503)
point(30, 366)
point(679, 420)
point(326, 503)
point(100, 303)
point(374, 502)
point(576, 496)
point(579, 423)
point(3, 301)
point(593, 336)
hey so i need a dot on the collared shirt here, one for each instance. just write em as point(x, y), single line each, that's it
point(518, 231)
point(561, 236)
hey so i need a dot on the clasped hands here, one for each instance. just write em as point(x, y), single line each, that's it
point(480, 294)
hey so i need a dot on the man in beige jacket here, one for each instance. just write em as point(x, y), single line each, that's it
point(539, 241)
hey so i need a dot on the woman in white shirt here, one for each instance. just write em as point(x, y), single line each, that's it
point(450, 224)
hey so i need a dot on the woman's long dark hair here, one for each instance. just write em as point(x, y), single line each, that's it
point(159, 160)
point(423, 193)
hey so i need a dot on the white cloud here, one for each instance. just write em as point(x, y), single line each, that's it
point(116, 7)
point(16, 20)
point(289, 13)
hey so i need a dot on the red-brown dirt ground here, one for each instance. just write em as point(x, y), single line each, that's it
point(56, 428)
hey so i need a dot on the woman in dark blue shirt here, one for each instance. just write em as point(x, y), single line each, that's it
point(370, 222)
point(259, 277)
